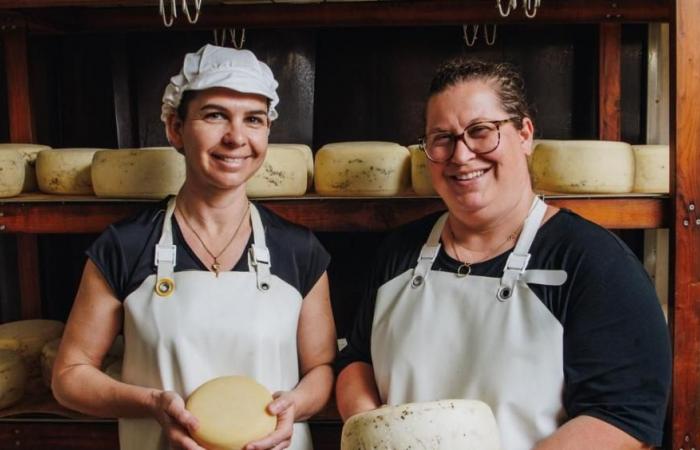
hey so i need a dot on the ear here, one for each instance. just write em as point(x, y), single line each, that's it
point(527, 133)
point(173, 130)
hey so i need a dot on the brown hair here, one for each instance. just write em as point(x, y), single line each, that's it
point(505, 79)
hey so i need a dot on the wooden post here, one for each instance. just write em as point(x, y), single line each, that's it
point(609, 81)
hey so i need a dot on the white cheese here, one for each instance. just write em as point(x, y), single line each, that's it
point(13, 377)
point(12, 174)
point(358, 169)
point(439, 425)
point(138, 173)
point(28, 338)
point(651, 171)
point(308, 157)
point(592, 167)
point(283, 173)
point(421, 179)
point(30, 152)
point(65, 171)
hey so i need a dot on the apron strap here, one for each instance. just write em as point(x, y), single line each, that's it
point(258, 254)
point(428, 253)
point(166, 255)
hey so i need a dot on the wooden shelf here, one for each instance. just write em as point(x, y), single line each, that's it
point(40, 214)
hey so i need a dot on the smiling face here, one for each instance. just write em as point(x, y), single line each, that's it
point(486, 184)
point(223, 136)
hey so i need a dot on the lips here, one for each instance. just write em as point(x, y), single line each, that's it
point(469, 176)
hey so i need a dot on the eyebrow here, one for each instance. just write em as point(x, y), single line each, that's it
point(470, 123)
point(218, 107)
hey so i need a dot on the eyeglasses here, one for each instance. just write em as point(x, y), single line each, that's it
point(481, 138)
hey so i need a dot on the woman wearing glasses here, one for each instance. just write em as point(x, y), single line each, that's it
point(546, 317)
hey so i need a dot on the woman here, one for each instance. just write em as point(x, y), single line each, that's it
point(205, 284)
point(543, 315)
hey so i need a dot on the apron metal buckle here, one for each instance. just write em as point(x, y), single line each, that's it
point(165, 287)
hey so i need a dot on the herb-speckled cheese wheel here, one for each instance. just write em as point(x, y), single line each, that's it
point(283, 173)
point(138, 173)
point(65, 171)
point(439, 425)
point(13, 377)
point(308, 157)
point(231, 412)
point(28, 338)
point(358, 169)
point(30, 152)
point(591, 167)
point(12, 174)
point(420, 174)
point(48, 357)
point(651, 168)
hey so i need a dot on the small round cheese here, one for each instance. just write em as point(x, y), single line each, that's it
point(13, 377)
point(48, 357)
point(12, 174)
point(362, 169)
point(30, 152)
point(65, 171)
point(444, 424)
point(283, 173)
point(421, 179)
point(592, 167)
point(232, 411)
point(28, 338)
point(651, 168)
point(138, 173)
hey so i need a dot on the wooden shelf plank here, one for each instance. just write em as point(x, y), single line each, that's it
point(90, 215)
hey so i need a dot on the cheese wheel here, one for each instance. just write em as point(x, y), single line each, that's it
point(138, 173)
point(356, 169)
point(29, 152)
point(444, 424)
point(28, 338)
point(13, 377)
point(421, 179)
point(283, 173)
point(593, 167)
point(65, 171)
point(12, 174)
point(308, 157)
point(231, 412)
point(48, 357)
point(651, 168)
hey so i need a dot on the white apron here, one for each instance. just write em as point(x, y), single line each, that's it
point(438, 336)
point(241, 323)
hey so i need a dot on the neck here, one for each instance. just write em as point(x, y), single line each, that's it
point(212, 212)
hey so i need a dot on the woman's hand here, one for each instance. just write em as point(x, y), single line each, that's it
point(283, 406)
point(176, 421)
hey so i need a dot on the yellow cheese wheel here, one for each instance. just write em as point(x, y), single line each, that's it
point(651, 168)
point(283, 173)
point(12, 174)
point(308, 157)
point(30, 152)
point(231, 412)
point(13, 378)
point(28, 338)
point(48, 357)
point(138, 173)
point(65, 171)
point(359, 169)
point(444, 424)
point(591, 167)
point(421, 179)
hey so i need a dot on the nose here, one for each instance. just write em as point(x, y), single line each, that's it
point(462, 154)
point(233, 135)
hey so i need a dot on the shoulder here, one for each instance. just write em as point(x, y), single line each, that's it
point(285, 234)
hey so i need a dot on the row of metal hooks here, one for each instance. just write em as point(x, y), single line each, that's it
point(169, 18)
point(530, 7)
point(471, 34)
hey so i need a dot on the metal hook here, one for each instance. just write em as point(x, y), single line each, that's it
point(186, 10)
point(531, 11)
point(491, 41)
point(237, 45)
point(465, 33)
point(173, 12)
point(512, 4)
point(216, 37)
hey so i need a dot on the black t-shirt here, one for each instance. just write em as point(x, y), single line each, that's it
point(125, 252)
point(617, 363)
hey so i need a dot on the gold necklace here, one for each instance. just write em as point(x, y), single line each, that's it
point(216, 266)
point(466, 267)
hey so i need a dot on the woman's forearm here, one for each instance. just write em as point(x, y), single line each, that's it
point(312, 392)
point(356, 390)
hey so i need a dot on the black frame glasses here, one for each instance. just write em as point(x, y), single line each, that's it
point(464, 135)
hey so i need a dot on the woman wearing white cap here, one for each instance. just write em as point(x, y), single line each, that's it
point(206, 284)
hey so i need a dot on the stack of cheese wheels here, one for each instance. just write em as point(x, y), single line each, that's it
point(29, 152)
point(232, 411)
point(65, 171)
point(651, 168)
point(27, 338)
point(362, 169)
point(12, 174)
point(154, 172)
point(283, 173)
point(444, 424)
point(420, 175)
point(48, 357)
point(13, 377)
point(591, 167)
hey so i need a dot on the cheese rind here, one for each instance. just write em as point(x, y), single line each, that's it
point(359, 169)
point(438, 425)
point(421, 180)
point(284, 173)
point(48, 357)
point(13, 378)
point(651, 169)
point(592, 167)
point(231, 412)
point(28, 338)
point(29, 152)
point(12, 174)
point(65, 171)
point(308, 157)
point(138, 173)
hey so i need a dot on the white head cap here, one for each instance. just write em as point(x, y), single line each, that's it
point(213, 66)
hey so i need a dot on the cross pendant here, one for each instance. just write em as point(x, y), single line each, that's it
point(216, 267)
